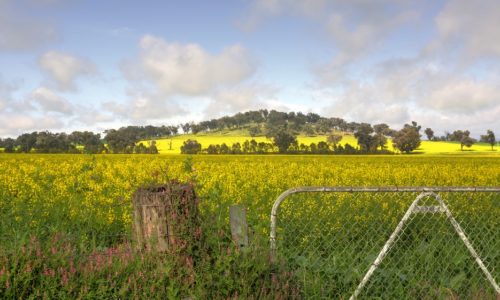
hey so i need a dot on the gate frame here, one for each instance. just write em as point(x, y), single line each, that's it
point(414, 208)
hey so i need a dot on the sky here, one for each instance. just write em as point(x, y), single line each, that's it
point(94, 65)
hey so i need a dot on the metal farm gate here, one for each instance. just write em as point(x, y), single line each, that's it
point(389, 243)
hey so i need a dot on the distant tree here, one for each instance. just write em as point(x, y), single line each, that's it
point(272, 130)
point(348, 149)
point(253, 146)
point(303, 148)
point(152, 148)
point(324, 125)
point(462, 136)
point(312, 118)
point(121, 141)
point(26, 142)
point(254, 131)
point(457, 135)
point(9, 145)
point(245, 147)
point(415, 125)
point(140, 149)
point(466, 140)
point(429, 133)
point(379, 140)
point(381, 128)
point(224, 149)
point(308, 129)
point(276, 118)
point(364, 136)
point(48, 142)
point(333, 139)
point(191, 147)
point(408, 138)
point(212, 149)
point(338, 123)
point(90, 141)
point(489, 138)
point(313, 148)
point(236, 148)
point(186, 127)
point(323, 147)
point(195, 128)
point(283, 139)
point(390, 132)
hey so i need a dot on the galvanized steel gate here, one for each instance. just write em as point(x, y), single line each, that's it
point(338, 229)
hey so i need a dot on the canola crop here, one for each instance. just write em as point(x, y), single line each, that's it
point(75, 191)
point(328, 241)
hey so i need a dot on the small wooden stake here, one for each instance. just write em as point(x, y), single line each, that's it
point(239, 227)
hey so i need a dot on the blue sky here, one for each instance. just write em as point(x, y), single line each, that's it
point(78, 65)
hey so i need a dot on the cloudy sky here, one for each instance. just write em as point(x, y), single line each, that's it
point(73, 64)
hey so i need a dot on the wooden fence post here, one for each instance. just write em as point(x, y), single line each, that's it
point(165, 216)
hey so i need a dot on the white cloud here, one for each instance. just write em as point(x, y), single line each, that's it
point(49, 101)
point(167, 78)
point(144, 106)
point(93, 116)
point(14, 124)
point(240, 98)
point(401, 90)
point(463, 95)
point(473, 25)
point(64, 69)
point(188, 69)
point(19, 32)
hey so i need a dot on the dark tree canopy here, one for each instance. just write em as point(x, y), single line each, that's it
point(489, 138)
point(429, 133)
point(407, 139)
point(364, 136)
point(283, 139)
point(191, 147)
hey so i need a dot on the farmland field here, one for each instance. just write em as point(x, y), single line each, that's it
point(173, 145)
point(56, 208)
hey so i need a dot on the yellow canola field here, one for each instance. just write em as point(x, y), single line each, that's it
point(78, 191)
point(173, 145)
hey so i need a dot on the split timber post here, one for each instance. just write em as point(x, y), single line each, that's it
point(165, 217)
point(239, 226)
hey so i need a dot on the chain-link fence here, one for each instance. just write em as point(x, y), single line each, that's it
point(390, 243)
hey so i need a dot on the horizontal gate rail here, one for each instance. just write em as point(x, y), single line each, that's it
point(413, 209)
point(317, 189)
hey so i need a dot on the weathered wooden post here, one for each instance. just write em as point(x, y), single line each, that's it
point(165, 217)
point(239, 227)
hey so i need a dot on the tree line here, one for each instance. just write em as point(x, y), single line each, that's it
point(272, 124)
point(122, 140)
point(284, 140)
point(463, 137)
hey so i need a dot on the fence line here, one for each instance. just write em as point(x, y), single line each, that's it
point(313, 242)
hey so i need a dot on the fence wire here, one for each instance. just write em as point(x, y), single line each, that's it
point(333, 242)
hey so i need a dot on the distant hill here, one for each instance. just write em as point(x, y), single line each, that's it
point(259, 125)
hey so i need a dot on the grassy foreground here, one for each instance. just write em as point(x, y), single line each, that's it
point(65, 221)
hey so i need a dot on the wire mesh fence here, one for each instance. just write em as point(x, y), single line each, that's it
point(406, 243)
